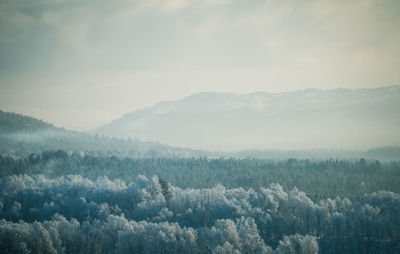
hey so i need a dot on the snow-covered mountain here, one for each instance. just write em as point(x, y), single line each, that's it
point(311, 118)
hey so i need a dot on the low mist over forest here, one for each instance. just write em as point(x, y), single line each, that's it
point(22, 135)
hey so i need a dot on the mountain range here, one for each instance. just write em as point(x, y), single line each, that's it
point(308, 119)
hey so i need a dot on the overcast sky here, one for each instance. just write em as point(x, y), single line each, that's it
point(81, 64)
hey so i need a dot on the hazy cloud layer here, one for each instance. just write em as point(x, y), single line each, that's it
point(82, 64)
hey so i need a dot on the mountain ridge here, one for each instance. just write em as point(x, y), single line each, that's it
point(220, 114)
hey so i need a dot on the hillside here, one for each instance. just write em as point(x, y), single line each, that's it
point(22, 135)
point(12, 122)
point(341, 118)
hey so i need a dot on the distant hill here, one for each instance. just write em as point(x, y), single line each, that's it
point(391, 153)
point(336, 119)
point(12, 122)
point(23, 135)
point(384, 153)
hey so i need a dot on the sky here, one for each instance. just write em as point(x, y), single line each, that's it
point(81, 64)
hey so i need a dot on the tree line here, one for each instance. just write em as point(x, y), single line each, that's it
point(319, 178)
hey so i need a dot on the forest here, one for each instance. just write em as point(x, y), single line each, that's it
point(317, 178)
point(73, 214)
point(69, 192)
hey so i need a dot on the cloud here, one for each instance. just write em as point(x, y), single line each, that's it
point(13, 23)
point(70, 30)
point(174, 5)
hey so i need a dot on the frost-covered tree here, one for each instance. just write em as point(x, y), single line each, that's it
point(74, 214)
